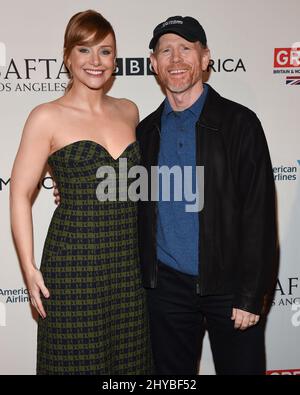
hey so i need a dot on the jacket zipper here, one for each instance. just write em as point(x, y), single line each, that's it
point(154, 229)
point(201, 225)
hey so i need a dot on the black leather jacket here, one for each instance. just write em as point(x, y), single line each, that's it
point(237, 238)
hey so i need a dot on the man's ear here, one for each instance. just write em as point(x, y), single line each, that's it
point(153, 61)
point(205, 58)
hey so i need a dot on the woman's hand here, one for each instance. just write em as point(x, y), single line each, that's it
point(56, 194)
point(36, 285)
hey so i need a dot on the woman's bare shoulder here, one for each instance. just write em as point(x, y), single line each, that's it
point(44, 111)
point(127, 107)
point(127, 103)
point(42, 118)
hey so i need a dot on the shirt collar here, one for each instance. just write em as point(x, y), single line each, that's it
point(195, 108)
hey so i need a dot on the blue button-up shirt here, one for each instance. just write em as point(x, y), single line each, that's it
point(178, 230)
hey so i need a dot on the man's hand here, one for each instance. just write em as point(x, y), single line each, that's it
point(243, 319)
point(56, 194)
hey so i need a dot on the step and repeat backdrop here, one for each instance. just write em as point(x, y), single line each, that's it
point(255, 47)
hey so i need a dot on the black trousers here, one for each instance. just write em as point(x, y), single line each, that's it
point(178, 320)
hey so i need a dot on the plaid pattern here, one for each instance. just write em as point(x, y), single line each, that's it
point(96, 316)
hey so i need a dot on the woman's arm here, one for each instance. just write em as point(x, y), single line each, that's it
point(30, 161)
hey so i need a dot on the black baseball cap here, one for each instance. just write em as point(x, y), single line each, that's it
point(186, 27)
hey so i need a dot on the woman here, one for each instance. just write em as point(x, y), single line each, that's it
point(92, 310)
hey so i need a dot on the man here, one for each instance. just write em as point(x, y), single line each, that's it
point(209, 268)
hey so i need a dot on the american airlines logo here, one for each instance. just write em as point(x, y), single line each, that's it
point(286, 172)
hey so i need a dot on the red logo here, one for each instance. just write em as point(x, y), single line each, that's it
point(286, 57)
point(286, 372)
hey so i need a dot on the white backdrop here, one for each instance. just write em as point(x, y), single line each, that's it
point(242, 36)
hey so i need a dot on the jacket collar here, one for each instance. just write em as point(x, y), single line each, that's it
point(210, 117)
point(212, 113)
point(195, 109)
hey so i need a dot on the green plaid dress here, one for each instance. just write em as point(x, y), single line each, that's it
point(96, 320)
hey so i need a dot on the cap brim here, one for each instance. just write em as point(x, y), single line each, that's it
point(186, 35)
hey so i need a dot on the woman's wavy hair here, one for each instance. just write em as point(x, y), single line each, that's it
point(84, 28)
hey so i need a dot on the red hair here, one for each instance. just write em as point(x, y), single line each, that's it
point(85, 28)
